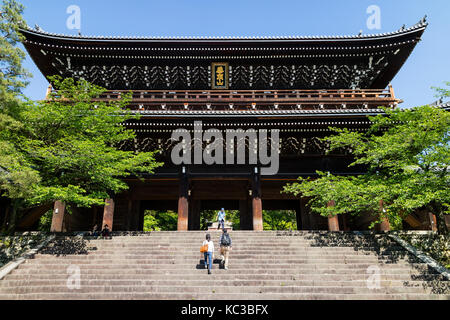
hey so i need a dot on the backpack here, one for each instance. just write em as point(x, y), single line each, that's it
point(226, 240)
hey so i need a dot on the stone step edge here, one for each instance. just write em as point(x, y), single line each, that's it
point(221, 296)
point(422, 256)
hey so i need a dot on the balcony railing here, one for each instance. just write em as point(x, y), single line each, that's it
point(150, 99)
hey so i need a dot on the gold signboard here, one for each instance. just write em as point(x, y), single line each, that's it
point(219, 79)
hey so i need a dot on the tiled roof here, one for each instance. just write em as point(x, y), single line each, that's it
point(419, 25)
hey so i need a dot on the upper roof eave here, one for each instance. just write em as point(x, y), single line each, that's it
point(76, 38)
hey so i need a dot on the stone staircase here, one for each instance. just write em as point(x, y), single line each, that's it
point(263, 265)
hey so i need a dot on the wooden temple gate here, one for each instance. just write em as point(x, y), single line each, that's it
point(300, 86)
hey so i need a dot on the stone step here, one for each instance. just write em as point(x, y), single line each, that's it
point(214, 289)
point(246, 249)
point(233, 253)
point(182, 264)
point(263, 265)
point(240, 261)
point(232, 270)
point(235, 257)
point(276, 241)
point(9, 284)
point(221, 297)
point(221, 276)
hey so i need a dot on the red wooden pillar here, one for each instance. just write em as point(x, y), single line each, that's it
point(108, 213)
point(333, 221)
point(59, 213)
point(384, 225)
point(433, 222)
point(256, 202)
point(183, 204)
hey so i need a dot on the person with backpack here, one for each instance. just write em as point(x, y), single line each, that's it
point(209, 253)
point(225, 248)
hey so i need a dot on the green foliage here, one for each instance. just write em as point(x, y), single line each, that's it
point(234, 217)
point(207, 216)
point(406, 153)
point(279, 220)
point(16, 173)
point(45, 221)
point(71, 139)
point(160, 220)
point(13, 77)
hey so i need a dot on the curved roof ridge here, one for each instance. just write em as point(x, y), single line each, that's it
point(422, 24)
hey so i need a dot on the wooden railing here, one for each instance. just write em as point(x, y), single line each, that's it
point(204, 96)
point(254, 98)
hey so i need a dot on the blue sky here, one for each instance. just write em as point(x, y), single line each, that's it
point(427, 66)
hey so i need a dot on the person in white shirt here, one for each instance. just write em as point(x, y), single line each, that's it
point(209, 255)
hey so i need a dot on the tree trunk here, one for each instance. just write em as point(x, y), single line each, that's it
point(15, 205)
point(12, 219)
point(440, 219)
point(5, 219)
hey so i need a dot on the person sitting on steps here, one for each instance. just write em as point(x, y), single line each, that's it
point(209, 255)
point(221, 218)
point(95, 231)
point(106, 233)
point(225, 248)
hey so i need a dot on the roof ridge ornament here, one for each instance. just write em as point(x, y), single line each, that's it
point(424, 20)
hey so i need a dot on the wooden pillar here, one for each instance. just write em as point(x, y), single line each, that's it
point(344, 222)
point(183, 204)
point(243, 219)
point(333, 221)
point(48, 92)
point(256, 201)
point(433, 222)
point(129, 215)
point(59, 213)
point(298, 216)
point(305, 215)
point(194, 215)
point(384, 225)
point(108, 214)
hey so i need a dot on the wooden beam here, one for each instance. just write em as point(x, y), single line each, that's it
point(413, 222)
point(33, 216)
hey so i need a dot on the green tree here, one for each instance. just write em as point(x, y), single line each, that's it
point(406, 153)
point(71, 143)
point(16, 172)
point(160, 220)
point(13, 77)
point(279, 220)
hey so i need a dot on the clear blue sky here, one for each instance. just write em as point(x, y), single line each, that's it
point(429, 64)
